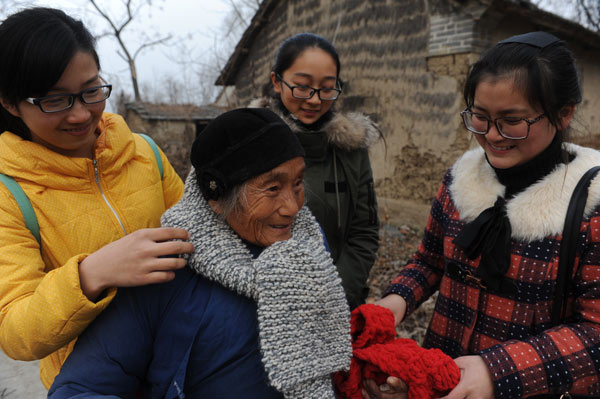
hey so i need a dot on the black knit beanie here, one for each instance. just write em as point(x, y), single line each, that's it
point(239, 145)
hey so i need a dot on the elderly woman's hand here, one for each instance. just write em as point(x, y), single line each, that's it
point(394, 388)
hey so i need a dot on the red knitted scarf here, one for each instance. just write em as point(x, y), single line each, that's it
point(377, 354)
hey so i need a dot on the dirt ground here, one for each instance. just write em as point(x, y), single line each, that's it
point(20, 380)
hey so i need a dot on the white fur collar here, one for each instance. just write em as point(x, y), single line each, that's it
point(539, 210)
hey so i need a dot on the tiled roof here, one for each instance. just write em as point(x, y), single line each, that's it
point(150, 111)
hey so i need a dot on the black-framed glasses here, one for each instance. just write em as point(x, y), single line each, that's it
point(509, 127)
point(306, 92)
point(61, 102)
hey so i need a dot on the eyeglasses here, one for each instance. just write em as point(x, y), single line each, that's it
point(508, 127)
point(61, 102)
point(306, 92)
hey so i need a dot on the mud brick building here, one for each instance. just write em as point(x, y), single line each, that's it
point(173, 127)
point(404, 63)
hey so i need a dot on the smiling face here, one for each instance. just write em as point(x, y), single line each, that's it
point(313, 68)
point(273, 200)
point(71, 132)
point(501, 97)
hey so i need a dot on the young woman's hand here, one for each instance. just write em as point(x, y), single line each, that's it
point(394, 388)
point(396, 304)
point(143, 257)
point(475, 380)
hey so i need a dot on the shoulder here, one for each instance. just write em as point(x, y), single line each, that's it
point(110, 121)
point(308, 233)
point(262, 102)
point(540, 210)
point(585, 159)
point(348, 131)
point(164, 303)
point(120, 145)
point(352, 131)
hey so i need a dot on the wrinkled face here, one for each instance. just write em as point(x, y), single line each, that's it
point(500, 97)
point(313, 68)
point(273, 200)
point(71, 132)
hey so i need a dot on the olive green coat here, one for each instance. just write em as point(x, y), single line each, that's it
point(339, 192)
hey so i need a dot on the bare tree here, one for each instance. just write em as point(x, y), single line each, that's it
point(585, 12)
point(200, 67)
point(589, 13)
point(117, 26)
point(233, 26)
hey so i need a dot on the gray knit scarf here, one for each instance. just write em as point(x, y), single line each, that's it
point(304, 320)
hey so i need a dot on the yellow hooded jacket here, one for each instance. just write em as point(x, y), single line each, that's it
point(81, 205)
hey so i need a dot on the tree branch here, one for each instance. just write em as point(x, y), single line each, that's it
point(154, 43)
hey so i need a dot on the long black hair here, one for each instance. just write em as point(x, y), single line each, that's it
point(546, 74)
point(293, 46)
point(36, 45)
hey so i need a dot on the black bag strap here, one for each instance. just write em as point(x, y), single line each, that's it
point(568, 246)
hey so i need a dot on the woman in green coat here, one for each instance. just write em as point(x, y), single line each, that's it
point(338, 179)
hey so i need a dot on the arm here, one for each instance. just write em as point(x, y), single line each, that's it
point(39, 311)
point(414, 284)
point(139, 250)
point(111, 357)
point(421, 276)
point(359, 251)
point(42, 310)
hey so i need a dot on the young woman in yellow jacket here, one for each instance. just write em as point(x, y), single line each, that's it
point(95, 188)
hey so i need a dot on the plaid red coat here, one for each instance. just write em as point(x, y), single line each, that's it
point(512, 332)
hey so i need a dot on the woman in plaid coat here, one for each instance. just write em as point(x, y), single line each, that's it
point(493, 237)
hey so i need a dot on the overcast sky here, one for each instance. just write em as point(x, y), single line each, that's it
point(196, 27)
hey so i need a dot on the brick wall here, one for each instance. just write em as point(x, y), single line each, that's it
point(451, 34)
point(174, 137)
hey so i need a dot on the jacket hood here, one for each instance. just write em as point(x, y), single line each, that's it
point(25, 160)
point(348, 131)
point(536, 212)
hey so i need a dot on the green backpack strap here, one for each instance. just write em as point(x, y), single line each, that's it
point(155, 151)
point(24, 204)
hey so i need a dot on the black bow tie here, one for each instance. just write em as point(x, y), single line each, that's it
point(489, 236)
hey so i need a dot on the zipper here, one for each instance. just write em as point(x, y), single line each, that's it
point(97, 178)
point(337, 191)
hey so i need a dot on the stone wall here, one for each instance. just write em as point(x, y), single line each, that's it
point(174, 138)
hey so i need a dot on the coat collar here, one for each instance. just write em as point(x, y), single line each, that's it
point(29, 161)
point(348, 131)
point(536, 212)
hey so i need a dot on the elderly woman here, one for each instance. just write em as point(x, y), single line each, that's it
point(259, 313)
